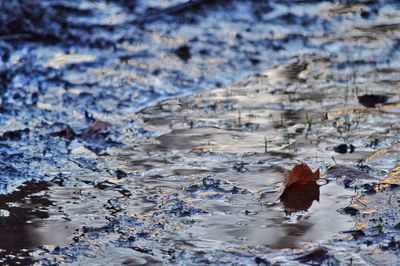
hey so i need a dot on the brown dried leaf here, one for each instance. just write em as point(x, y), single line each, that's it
point(66, 133)
point(298, 180)
point(99, 129)
point(301, 174)
point(300, 189)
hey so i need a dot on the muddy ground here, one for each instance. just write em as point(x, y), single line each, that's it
point(155, 132)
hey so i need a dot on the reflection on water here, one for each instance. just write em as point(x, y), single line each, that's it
point(299, 197)
point(193, 179)
point(30, 224)
point(269, 226)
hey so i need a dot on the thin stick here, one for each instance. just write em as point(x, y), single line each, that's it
point(265, 144)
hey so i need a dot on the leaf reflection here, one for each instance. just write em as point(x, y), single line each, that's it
point(299, 197)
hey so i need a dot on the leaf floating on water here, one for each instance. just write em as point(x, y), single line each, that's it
point(299, 190)
point(301, 174)
point(371, 100)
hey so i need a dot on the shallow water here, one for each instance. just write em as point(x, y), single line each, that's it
point(134, 179)
point(31, 222)
point(240, 223)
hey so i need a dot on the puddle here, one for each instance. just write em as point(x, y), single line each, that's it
point(31, 221)
point(242, 221)
point(160, 124)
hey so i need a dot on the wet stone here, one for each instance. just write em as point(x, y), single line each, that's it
point(349, 210)
point(120, 174)
point(356, 233)
point(371, 100)
point(344, 148)
point(339, 171)
point(183, 53)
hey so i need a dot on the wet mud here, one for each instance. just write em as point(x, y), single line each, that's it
point(148, 132)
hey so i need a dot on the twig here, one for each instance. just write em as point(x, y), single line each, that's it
point(265, 144)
